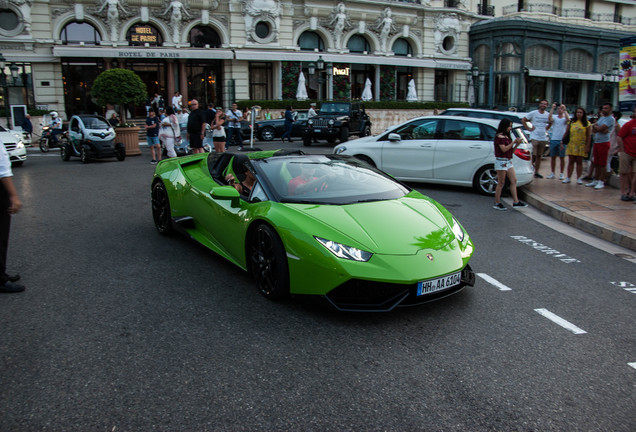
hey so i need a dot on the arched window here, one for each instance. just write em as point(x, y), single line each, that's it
point(358, 44)
point(310, 41)
point(200, 36)
point(578, 60)
point(74, 33)
point(542, 57)
point(482, 57)
point(507, 57)
point(402, 47)
point(142, 34)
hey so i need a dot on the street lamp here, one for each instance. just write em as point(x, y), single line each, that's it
point(5, 93)
point(320, 63)
point(312, 68)
point(475, 72)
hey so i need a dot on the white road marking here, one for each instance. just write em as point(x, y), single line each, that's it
point(560, 321)
point(570, 231)
point(632, 365)
point(495, 282)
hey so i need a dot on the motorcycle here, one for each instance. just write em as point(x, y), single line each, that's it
point(46, 140)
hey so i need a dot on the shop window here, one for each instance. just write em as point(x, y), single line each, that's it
point(535, 89)
point(542, 57)
point(261, 81)
point(441, 86)
point(359, 75)
point(74, 33)
point(402, 47)
point(311, 41)
point(200, 36)
point(358, 44)
point(404, 75)
point(572, 92)
point(578, 60)
point(142, 34)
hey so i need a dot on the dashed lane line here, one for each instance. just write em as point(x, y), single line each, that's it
point(495, 282)
point(560, 321)
point(632, 365)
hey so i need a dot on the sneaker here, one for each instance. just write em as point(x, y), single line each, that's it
point(519, 204)
point(591, 184)
point(626, 198)
point(499, 206)
point(153, 162)
point(561, 176)
point(537, 175)
point(566, 180)
point(10, 287)
point(579, 181)
point(599, 185)
point(551, 176)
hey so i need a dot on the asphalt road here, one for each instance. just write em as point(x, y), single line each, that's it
point(121, 329)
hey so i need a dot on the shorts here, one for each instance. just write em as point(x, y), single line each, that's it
point(600, 152)
point(503, 164)
point(152, 141)
point(538, 147)
point(195, 141)
point(555, 148)
point(626, 163)
point(218, 139)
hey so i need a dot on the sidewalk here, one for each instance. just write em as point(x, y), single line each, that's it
point(597, 212)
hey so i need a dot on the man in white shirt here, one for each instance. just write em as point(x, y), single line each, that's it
point(177, 102)
point(234, 116)
point(9, 204)
point(538, 133)
point(312, 110)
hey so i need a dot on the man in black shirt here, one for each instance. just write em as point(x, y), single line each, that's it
point(196, 127)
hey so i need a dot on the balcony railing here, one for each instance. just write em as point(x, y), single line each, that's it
point(488, 10)
point(566, 13)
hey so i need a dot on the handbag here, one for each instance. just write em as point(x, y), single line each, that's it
point(566, 136)
point(177, 139)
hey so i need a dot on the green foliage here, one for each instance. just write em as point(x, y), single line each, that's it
point(119, 86)
point(289, 78)
point(387, 82)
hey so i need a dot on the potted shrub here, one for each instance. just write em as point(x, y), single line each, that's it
point(121, 87)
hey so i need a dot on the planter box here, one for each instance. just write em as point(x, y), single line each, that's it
point(130, 138)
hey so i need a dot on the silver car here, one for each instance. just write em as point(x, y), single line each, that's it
point(442, 149)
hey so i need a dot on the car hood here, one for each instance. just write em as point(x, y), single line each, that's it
point(9, 137)
point(395, 227)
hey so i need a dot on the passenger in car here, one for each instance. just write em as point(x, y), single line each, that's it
point(244, 187)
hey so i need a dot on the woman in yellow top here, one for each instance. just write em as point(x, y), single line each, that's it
point(579, 146)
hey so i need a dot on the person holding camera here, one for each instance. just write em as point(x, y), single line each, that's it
point(558, 126)
point(504, 149)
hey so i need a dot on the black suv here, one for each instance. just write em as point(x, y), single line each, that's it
point(337, 120)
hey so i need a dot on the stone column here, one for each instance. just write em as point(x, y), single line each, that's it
point(170, 82)
point(183, 82)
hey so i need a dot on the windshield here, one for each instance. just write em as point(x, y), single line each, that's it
point(334, 108)
point(327, 179)
point(94, 122)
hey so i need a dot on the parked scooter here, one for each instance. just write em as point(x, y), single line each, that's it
point(46, 140)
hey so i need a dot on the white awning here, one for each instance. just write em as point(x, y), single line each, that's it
point(565, 75)
point(141, 52)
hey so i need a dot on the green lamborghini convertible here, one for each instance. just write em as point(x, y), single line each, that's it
point(322, 225)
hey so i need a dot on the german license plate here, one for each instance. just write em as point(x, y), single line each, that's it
point(317, 130)
point(432, 285)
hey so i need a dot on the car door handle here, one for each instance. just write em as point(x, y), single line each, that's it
point(426, 145)
point(475, 146)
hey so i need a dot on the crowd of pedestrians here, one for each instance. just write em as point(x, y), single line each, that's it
point(599, 139)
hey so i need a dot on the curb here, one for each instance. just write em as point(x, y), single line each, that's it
point(590, 226)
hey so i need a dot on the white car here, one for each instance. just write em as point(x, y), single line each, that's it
point(15, 147)
point(442, 149)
